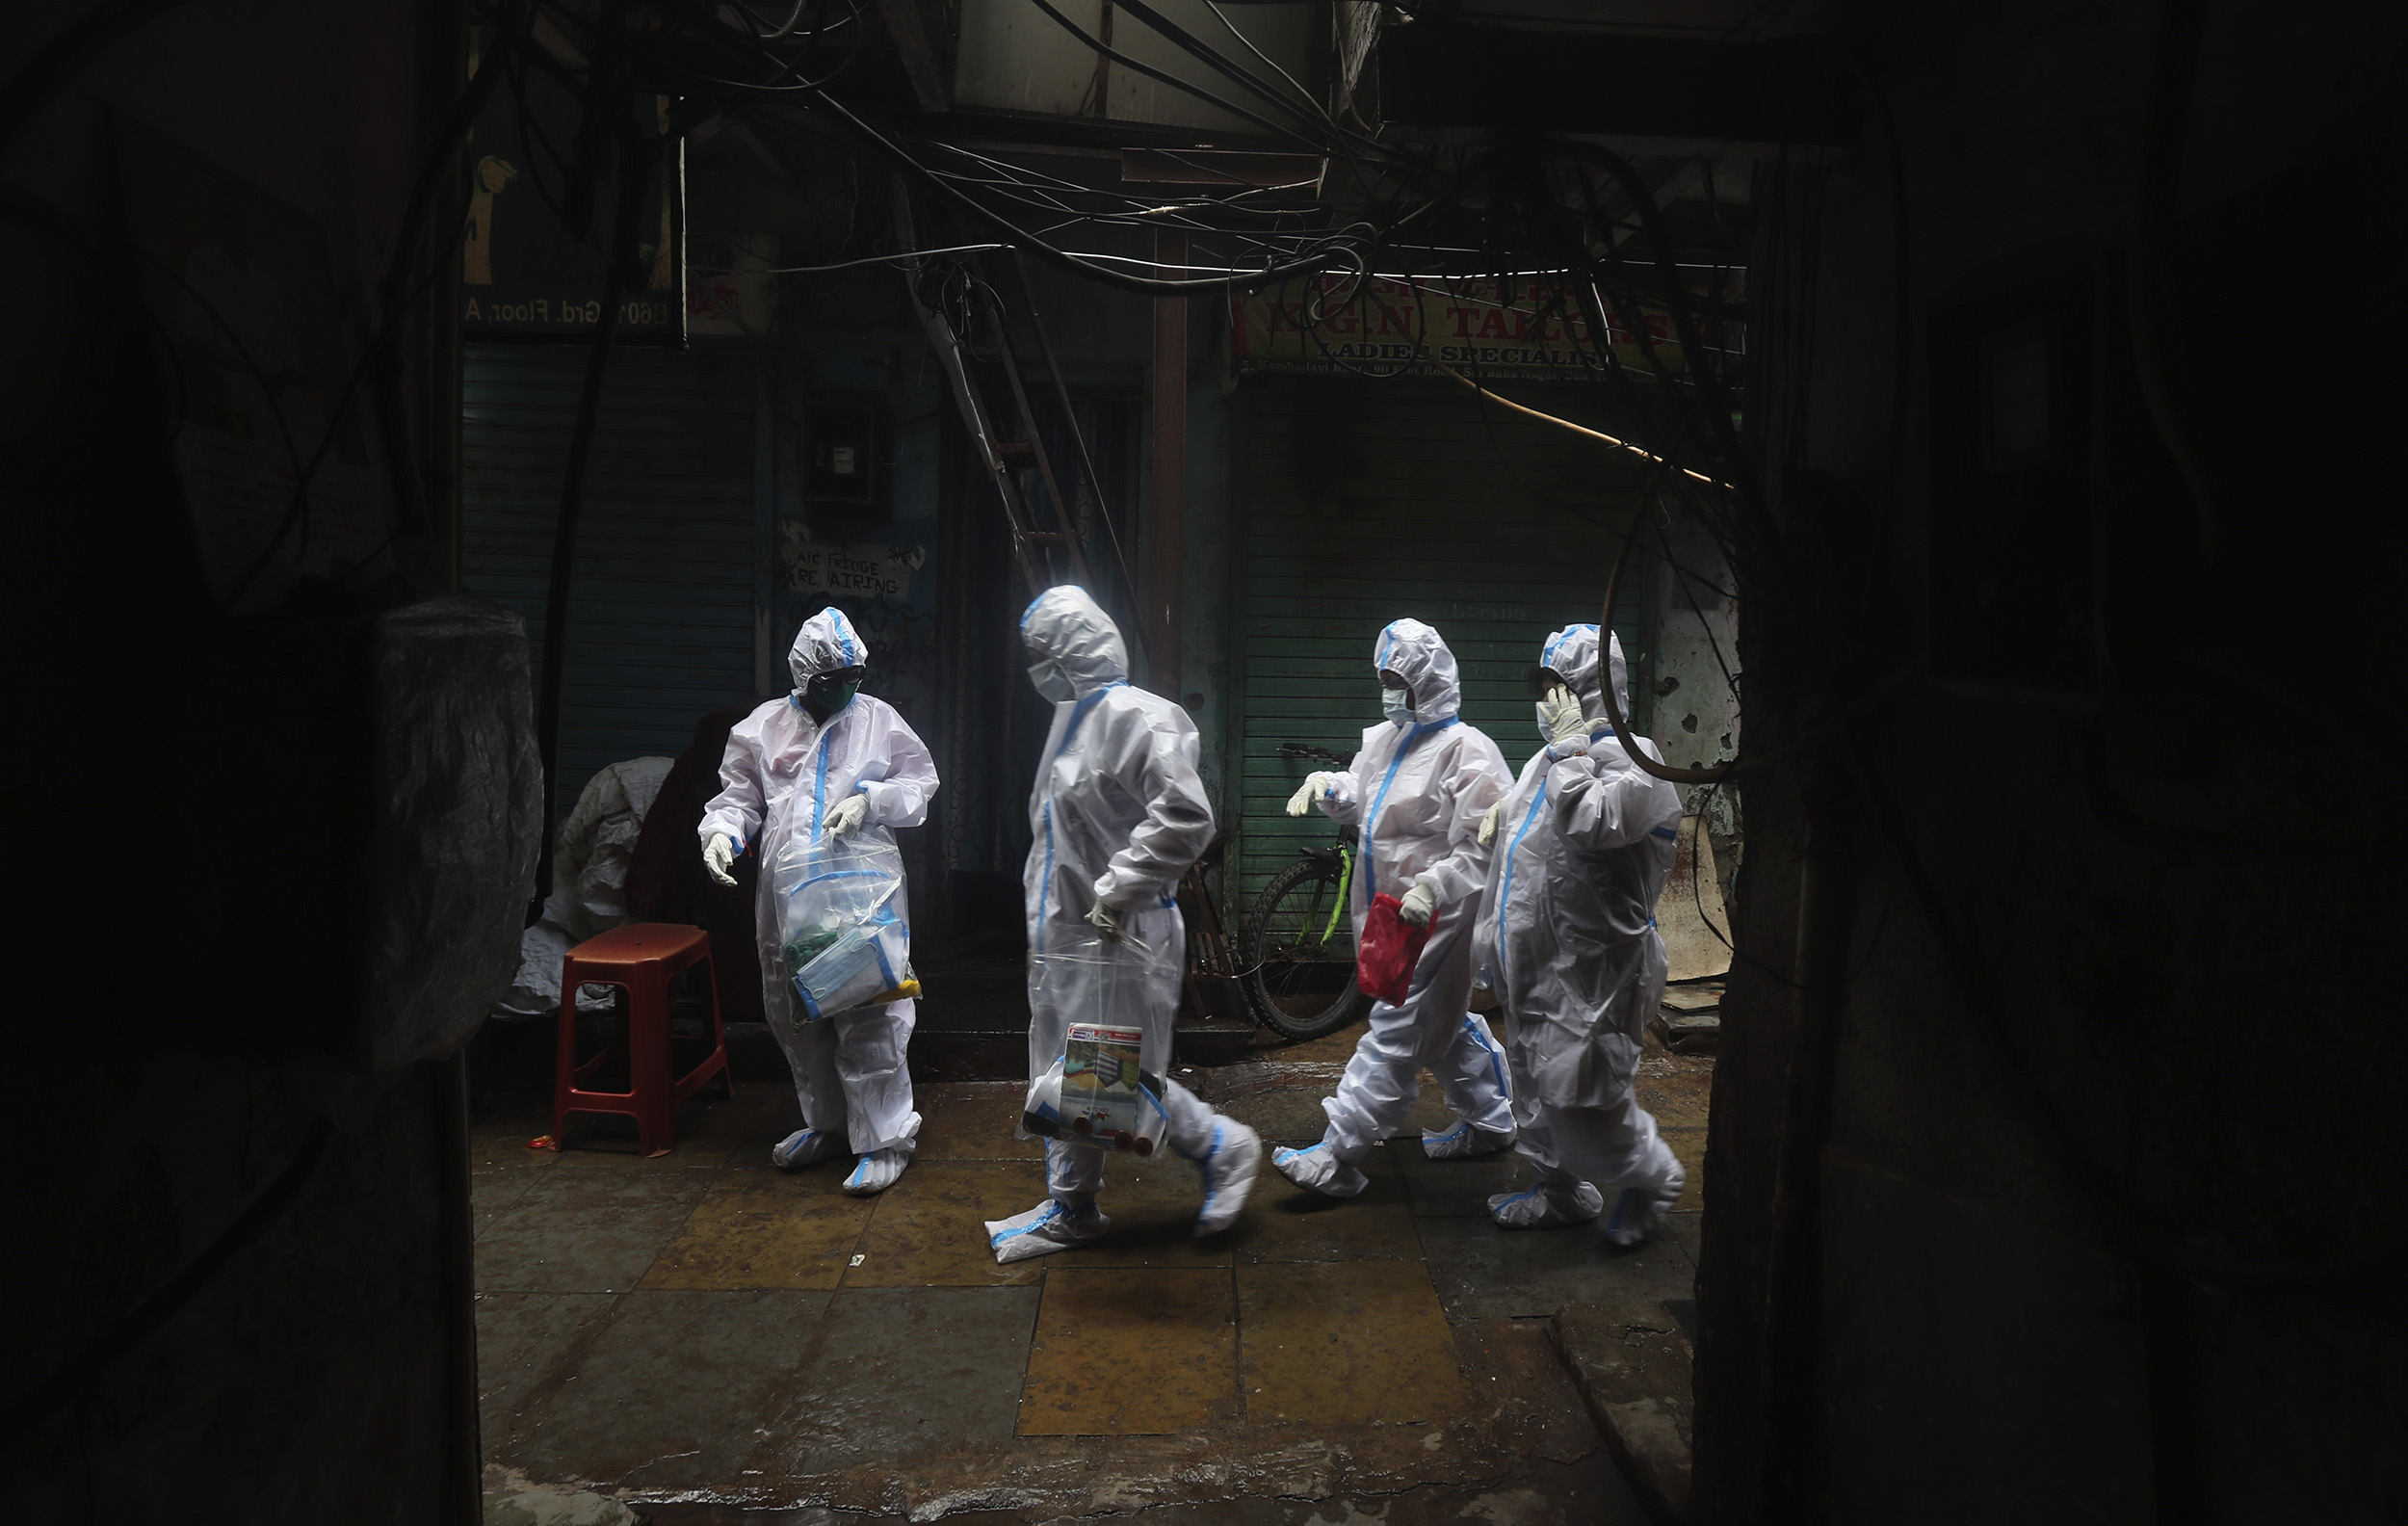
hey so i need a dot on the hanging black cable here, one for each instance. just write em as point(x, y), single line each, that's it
point(635, 166)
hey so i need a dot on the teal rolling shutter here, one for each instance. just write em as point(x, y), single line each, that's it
point(661, 605)
point(1370, 500)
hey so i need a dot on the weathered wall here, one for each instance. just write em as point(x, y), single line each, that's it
point(239, 1282)
point(945, 652)
point(1693, 708)
point(2069, 1185)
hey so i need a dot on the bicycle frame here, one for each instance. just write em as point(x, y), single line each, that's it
point(1345, 884)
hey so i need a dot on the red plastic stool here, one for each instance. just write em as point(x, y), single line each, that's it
point(640, 958)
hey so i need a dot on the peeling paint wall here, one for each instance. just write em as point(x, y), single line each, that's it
point(1693, 706)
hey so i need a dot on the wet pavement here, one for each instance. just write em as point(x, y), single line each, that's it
point(710, 1339)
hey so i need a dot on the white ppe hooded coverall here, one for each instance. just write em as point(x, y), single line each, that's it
point(1117, 814)
point(1567, 937)
point(1417, 793)
point(783, 773)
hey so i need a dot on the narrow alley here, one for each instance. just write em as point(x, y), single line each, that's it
point(700, 1334)
point(1204, 762)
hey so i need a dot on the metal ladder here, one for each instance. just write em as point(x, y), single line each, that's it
point(1034, 548)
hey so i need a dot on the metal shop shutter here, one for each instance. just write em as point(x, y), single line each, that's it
point(661, 605)
point(1368, 500)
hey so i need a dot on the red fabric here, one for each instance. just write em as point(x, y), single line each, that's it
point(1389, 949)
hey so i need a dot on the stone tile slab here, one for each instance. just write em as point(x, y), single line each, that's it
point(1125, 1352)
point(1634, 1368)
point(1353, 1343)
point(1458, 1188)
point(524, 1341)
point(492, 1192)
point(501, 1144)
point(585, 1231)
point(712, 1133)
point(972, 1121)
point(929, 1229)
point(1283, 1114)
point(904, 1372)
point(1482, 1272)
point(1517, 1378)
point(1152, 1205)
point(1678, 1100)
point(1286, 1223)
point(661, 1401)
point(1689, 1148)
point(765, 1229)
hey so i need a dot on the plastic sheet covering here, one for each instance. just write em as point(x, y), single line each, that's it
point(1095, 1092)
point(841, 941)
point(459, 807)
point(590, 865)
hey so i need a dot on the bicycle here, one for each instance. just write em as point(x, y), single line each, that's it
point(1295, 952)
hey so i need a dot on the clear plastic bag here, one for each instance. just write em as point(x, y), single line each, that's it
point(842, 937)
point(1096, 1090)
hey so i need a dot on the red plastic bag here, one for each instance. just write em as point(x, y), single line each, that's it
point(1389, 949)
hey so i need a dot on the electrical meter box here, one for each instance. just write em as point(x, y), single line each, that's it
point(843, 454)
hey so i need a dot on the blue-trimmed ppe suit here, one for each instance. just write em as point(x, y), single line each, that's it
point(782, 774)
point(1116, 813)
point(1417, 793)
point(1567, 937)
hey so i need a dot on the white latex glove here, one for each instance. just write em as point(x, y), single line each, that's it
point(1417, 904)
point(1106, 921)
point(1566, 727)
point(1488, 823)
point(1313, 787)
point(848, 815)
point(717, 855)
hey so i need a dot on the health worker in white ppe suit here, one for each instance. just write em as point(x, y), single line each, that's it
point(828, 760)
point(1117, 814)
point(1417, 789)
point(1567, 935)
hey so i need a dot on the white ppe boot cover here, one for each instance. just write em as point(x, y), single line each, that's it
point(1316, 1167)
point(1228, 1171)
point(1051, 1225)
point(803, 1147)
point(877, 1172)
point(1547, 1207)
point(1638, 1210)
point(1464, 1141)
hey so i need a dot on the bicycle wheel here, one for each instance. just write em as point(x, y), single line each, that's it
point(1300, 958)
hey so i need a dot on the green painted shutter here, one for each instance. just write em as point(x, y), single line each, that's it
point(1370, 500)
point(661, 603)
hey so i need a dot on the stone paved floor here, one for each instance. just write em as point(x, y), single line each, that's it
point(712, 1339)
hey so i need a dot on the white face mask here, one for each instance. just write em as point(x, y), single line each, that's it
point(1546, 733)
point(1051, 681)
point(1397, 705)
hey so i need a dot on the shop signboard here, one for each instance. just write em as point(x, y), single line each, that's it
point(1535, 328)
point(525, 273)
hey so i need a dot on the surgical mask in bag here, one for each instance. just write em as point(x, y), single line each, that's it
point(1051, 681)
point(1397, 705)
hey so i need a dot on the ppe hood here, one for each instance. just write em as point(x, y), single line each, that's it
point(1572, 652)
point(1417, 654)
point(1066, 626)
point(825, 642)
